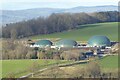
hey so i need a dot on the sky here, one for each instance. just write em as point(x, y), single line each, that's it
point(27, 4)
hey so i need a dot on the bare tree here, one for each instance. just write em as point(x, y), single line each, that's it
point(14, 33)
point(93, 69)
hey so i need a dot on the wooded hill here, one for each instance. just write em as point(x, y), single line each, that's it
point(56, 23)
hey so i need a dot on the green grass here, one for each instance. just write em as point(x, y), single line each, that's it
point(21, 65)
point(109, 62)
point(109, 29)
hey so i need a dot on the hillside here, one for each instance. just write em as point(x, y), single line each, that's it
point(109, 29)
point(56, 23)
point(11, 16)
point(107, 64)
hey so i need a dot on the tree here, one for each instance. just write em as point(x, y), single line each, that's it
point(71, 55)
point(12, 55)
point(29, 54)
point(21, 52)
point(56, 23)
point(56, 56)
point(14, 33)
point(41, 54)
point(93, 69)
point(8, 49)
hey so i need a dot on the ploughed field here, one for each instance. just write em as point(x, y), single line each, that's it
point(84, 32)
point(23, 67)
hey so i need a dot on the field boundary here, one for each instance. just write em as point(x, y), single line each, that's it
point(59, 65)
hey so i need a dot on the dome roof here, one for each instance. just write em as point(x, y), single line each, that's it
point(99, 41)
point(43, 43)
point(66, 43)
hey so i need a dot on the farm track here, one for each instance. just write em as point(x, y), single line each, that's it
point(60, 65)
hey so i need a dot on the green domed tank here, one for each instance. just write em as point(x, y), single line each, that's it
point(43, 43)
point(66, 43)
point(99, 41)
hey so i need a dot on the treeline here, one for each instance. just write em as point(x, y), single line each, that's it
point(56, 23)
point(12, 50)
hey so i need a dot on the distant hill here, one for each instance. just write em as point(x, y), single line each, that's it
point(11, 16)
point(92, 9)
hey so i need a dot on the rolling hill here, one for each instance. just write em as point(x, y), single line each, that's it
point(84, 32)
point(11, 16)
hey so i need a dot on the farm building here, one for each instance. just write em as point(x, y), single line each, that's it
point(99, 41)
point(43, 44)
point(66, 43)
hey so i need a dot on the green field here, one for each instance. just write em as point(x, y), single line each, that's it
point(108, 63)
point(83, 34)
point(16, 66)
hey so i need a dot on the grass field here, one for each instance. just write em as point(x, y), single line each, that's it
point(21, 65)
point(109, 29)
point(108, 63)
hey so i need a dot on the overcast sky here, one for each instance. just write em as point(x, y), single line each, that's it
point(27, 4)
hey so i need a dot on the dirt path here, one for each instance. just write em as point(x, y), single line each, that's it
point(60, 65)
